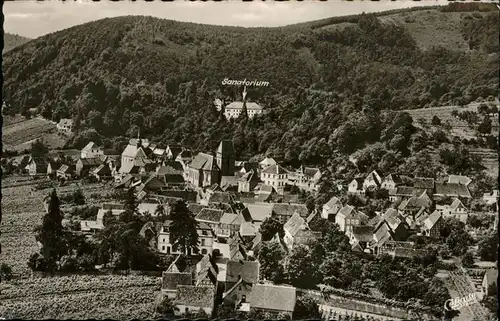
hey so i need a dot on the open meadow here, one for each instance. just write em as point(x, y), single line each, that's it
point(61, 297)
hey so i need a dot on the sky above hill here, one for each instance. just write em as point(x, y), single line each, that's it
point(35, 18)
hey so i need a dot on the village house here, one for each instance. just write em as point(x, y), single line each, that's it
point(348, 217)
point(391, 182)
point(456, 209)
point(395, 222)
point(331, 208)
point(401, 192)
point(264, 193)
point(372, 181)
point(273, 299)
point(381, 235)
point(211, 217)
point(135, 153)
point(423, 184)
point(257, 212)
point(266, 162)
point(305, 178)
point(90, 227)
point(102, 172)
point(356, 186)
point(248, 230)
point(297, 232)
point(451, 190)
point(283, 211)
point(247, 182)
point(207, 272)
point(65, 125)
point(66, 172)
point(229, 225)
point(234, 249)
point(52, 167)
point(91, 150)
point(37, 166)
point(275, 176)
point(173, 150)
point(192, 299)
point(171, 172)
point(240, 277)
point(184, 158)
point(360, 237)
point(172, 277)
point(85, 165)
point(489, 282)
point(414, 206)
point(203, 171)
point(459, 179)
point(491, 197)
point(432, 224)
point(205, 237)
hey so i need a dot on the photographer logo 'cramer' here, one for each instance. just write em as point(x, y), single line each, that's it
point(245, 82)
point(458, 303)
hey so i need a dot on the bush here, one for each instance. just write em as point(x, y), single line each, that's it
point(5, 272)
point(468, 260)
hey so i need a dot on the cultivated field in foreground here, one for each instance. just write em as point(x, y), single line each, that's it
point(80, 297)
point(67, 297)
point(18, 133)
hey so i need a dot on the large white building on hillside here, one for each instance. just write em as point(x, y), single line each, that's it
point(234, 109)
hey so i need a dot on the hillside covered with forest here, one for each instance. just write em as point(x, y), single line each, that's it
point(11, 41)
point(332, 82)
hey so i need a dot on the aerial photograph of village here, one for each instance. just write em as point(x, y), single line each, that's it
point(250, 161)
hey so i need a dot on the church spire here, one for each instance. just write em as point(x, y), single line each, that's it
point(138, 137)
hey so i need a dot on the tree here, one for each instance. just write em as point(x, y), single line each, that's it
point(78, 197)
point(468, 260)
point(165, 307)
point(38, 149)
point(306, 308)
point(300, 268)
point(270, 227)
point(51, 233)
point(270, 258)
point(488, 247)
point(5, 272)
point(485, 126)
point(436, 121)
point(160, 213)
point(183, 229)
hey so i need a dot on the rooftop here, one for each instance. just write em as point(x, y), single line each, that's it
point(198, 296)
point(273, 297)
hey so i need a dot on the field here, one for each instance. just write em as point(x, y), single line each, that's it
point(65, 297)
point(80, 297)
point(19, 133)
point(461, 129)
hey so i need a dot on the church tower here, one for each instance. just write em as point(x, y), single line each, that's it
point(225, 158)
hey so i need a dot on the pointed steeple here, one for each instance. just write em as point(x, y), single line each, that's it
point(138, 137)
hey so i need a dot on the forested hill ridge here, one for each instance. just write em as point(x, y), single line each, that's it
point(328, 83)
point(11, 41)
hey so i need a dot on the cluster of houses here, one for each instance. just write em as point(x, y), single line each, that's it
point(234, 282)
point(419, 206)
point(230, 200)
